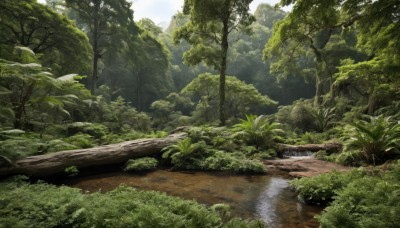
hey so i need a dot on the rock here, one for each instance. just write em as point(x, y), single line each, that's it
point(305, 167)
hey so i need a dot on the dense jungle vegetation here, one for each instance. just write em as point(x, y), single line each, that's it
point(78, 74)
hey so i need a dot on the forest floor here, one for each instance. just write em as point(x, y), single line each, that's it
point(304, 167)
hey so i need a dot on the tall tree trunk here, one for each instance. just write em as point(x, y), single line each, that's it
point(319, 88)
point(371, 101)
point(95, 46)
point(138, 92)
point(318, 77)
point(222, 73)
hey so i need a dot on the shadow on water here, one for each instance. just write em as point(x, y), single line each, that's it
point(264, 197)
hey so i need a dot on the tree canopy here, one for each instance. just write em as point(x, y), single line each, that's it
point(207, 31)
point(57, 41)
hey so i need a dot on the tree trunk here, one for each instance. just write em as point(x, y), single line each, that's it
point(95, 47)
point(371, 101)
point(222, 74)
point(49, 164)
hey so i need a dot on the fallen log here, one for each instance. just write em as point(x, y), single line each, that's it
point(49, 164)
point(329, 147)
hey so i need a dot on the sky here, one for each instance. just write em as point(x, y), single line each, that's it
point(161, 11)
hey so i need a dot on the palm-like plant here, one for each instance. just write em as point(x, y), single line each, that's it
point(375, 140)
point(185, 154)
point(258, 131)
point(323, 118)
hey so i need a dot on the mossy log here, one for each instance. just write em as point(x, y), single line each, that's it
point(329, 147)
point(54, 163)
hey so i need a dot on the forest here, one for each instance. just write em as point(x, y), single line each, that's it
point(86, 90)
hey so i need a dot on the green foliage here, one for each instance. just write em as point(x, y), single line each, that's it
point(29, 88)
point(221, 161)
point(118, 115)
point(296, 116)
point(21, 146)
point(47, 33)
point(71, 171)
point(141, 164)
point(214, 149)
point(208, 32)
point(323, 118)
point(240, 97)
point(368, 201)
point(95, 130)
point(81, 140)
point(58, 145)
point(323, 188)
point(44, 205)
point(374, 141)
point(185, 154)
point(258, 131)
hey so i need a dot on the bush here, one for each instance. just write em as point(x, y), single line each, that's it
point(321, 189)
point(258, 131)
point(375, 140)
point(185, 154)
point(369, 201)
point(81, 140)
point(95, 130)
point(44, 205)
point(141, 164)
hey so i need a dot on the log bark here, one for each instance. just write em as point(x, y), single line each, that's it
point(50, 164)
point(329, 147)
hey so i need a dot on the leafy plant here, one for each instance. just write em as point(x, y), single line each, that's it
point(323, 118)
point(71, 171)
point(81, 140)
point(321, 189)
point(258, 131)
point(45, 205)
point(141, 164)
point(186, 154)
point(367, 201)
point(375, 140)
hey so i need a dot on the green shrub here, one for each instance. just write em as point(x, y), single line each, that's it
point(321, 189)
point(44, 205)
point(375, 141)
point(81, 140)
point(141, 164)
point(185, 154)
point(95, 130)
point(20, 146)
point(59, 145)
point(368, 201)
point(71, 171)
point(258, 131)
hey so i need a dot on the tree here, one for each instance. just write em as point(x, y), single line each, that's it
point(208, 31)
point(241, 97)
point(103, 19)
point(57, 41)
point(28, 87)
point(312, 24)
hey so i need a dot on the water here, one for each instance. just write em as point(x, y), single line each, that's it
point(264, 197)
point(298, 154)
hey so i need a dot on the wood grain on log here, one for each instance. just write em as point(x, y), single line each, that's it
point(329, 147)
point(49, 164)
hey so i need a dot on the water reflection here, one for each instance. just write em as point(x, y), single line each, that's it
point(259, 196)
point(267, 201)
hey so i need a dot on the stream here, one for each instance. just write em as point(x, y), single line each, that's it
point(262, 197)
